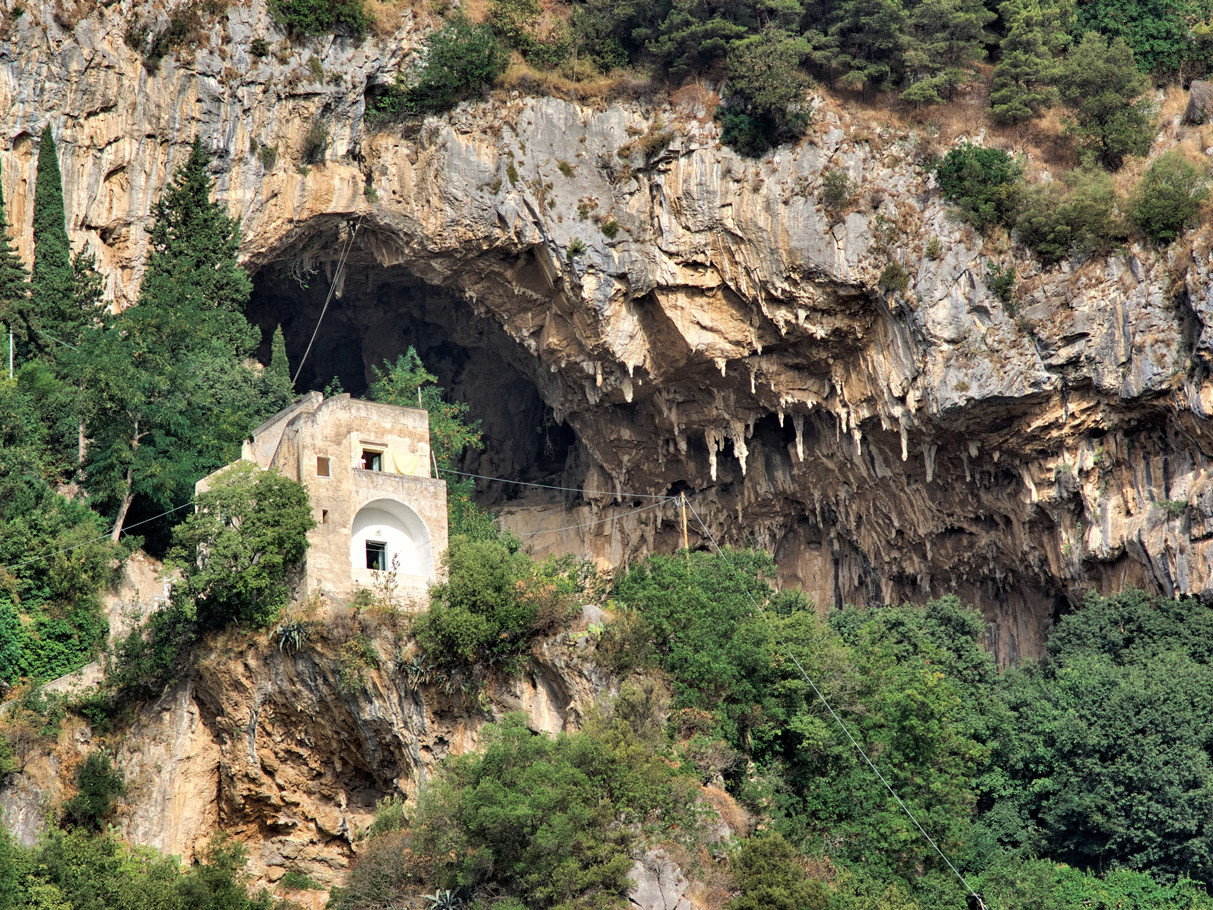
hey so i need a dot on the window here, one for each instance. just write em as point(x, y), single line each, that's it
point(372, 460)
point(324, 516)
point(322, 467)
point(376, 555)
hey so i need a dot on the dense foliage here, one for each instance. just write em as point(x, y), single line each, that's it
point(236, 550)
point(136, 405)
point(319, 17)
point(1112, 117)
point(98, 787)
point(1169, 196)
point(170, 390)
point(80, 870)
point(494, 603)
point(536, 821)
point(460, 60)
point(998, 767)
point(983, 183)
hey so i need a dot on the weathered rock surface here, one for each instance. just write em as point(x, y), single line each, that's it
point(290, 752)
point(658, 883)
point(731, 339)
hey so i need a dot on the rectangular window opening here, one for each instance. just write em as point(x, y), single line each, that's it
point(324, 516)
point(372, 460)
point(322, 466)
point(376, 555)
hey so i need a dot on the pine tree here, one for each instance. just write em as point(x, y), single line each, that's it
point(171, 395)
point(14, 281)
point(1024, 77)
point(1106, 93)
point(949, 37)
point(279, 391)
point(51, 318)
point(866, 39)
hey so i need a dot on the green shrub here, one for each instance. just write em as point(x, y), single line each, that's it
point(183, 27)
point(389, 816)
point(1076, 217)
point(493, 603)
point(1123, 704)
point(1043, 884)
point(99, 785)
point(771, 875)
point(237, 549)
point(151, 657)
point(934, 248)
point(1001, 280)
point(894, 279)
point(316, 141)
point(837, 191)
point(548, 820)
point(1168, 197)
point(610, 229)
point(461, 59)
point(319, 17)
point(984, 183)
point(1108, 97)
point(299, 881)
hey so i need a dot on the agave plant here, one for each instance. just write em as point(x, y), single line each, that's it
point(291, 636)
point(418, 671)
point(443, 899)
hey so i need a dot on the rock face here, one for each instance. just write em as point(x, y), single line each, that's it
point(694, 321)
point(289, 752)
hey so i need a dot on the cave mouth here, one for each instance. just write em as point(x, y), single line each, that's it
point(376, 314)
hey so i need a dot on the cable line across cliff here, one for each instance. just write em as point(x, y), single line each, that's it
point(663, 500)
point(547, 486)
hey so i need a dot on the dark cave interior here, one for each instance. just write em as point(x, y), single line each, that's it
point(377, 314)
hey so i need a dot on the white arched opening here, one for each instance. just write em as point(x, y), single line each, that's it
point(388, 535)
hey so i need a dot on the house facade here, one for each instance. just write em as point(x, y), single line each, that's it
point(368, 471)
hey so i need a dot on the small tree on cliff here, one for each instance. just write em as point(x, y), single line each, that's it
point(407, 383)
point(170, 393)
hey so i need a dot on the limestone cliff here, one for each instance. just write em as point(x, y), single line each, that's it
point(289, 750)
point(730, 339)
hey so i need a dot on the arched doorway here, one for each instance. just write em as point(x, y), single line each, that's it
point(388, 535)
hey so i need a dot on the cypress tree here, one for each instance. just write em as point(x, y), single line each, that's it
point(14, 283)
point(171, 396)
point(51, 311)
point(279, 391)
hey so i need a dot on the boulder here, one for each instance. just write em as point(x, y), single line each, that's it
point(1200, 102)
point(658, 883)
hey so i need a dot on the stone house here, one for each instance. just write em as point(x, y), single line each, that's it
point(368, 472)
